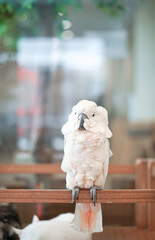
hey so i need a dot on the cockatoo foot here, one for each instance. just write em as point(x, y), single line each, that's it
point(75, 194)
point(93, 193)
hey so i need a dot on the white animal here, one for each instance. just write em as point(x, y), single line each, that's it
point(86, 159)
point(58, 228)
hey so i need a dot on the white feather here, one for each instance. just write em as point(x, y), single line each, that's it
point(86, 153)
point(58, 228)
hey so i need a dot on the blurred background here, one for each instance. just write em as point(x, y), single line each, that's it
point(55, 53)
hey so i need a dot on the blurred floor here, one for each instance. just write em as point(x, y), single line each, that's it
point(124, 233)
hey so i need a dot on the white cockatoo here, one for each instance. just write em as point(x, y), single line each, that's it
point(86, 160)
point(58, 228)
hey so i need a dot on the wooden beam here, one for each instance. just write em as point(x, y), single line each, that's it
point(151, 184)
point(55, 169)
point(30, 169)
point(65, 196)
point(121, 169)
point(141, 183)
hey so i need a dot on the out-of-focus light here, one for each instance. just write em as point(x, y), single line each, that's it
point(66, 24)
point(60, 14)
point(56, 42)
point(67, 35)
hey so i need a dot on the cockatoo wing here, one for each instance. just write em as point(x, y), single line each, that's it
point(106, 162)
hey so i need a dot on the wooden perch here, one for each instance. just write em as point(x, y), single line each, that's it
point(65, 196)
point(55, 169)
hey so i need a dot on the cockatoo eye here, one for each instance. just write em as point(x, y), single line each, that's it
point(75, 113)
point(93, 115)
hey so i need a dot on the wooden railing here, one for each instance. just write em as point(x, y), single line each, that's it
point(55, 169)
point(65, 196)
point(143, 195)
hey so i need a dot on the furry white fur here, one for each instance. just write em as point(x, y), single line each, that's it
point(58, 228)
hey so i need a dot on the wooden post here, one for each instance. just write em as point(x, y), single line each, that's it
point(151, 185)
point(141, 183)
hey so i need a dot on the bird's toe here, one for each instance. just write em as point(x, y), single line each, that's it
point(75, 194)
point(93, 193)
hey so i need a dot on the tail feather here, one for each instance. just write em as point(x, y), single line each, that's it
point(88, 218)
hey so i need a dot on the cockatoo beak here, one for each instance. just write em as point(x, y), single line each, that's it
point(82, 117)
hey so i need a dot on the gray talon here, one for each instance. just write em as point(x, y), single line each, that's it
point(75, 194)
point(93, 193)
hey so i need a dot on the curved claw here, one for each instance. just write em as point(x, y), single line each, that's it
point(93, 193)
point(75, 194)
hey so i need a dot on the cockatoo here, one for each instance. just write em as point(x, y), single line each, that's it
point(58, 228)
point(86, 160)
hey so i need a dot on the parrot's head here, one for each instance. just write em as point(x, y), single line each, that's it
point(87, 116)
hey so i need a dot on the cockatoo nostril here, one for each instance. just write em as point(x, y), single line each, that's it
point(82, 117)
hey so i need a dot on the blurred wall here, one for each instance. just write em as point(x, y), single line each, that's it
point(143, 98)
